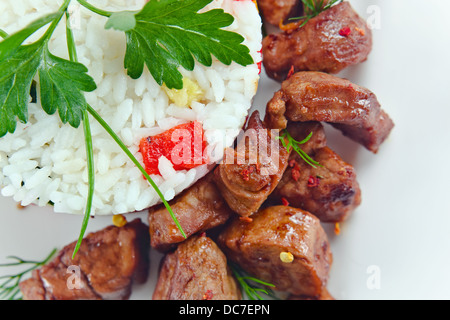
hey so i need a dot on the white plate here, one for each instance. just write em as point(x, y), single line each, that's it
point(397, 243)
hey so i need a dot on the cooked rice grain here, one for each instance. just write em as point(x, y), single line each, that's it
point(45, 160)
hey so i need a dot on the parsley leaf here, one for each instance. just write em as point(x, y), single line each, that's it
point(62, 84)
point(16, 75)
point(61, 81)
point(171, 33)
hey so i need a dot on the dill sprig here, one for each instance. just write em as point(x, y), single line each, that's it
point(9, 288)
point(252, 287)
point(313, 8)
point(295, 145)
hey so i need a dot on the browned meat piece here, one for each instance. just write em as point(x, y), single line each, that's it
point(199, 208)
point(330, 191)
point(317, 96)
point(251, 172)
point(196, 270)
point(107, 264)
point(276, 11)
point(259, 246)
point(329, 42)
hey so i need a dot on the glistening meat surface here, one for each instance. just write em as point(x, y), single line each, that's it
point(251, 172)
point(335, 39)
point(257, 247)
point(330, 191)
point(196, 270)
point(317, 96)
point(109, 262)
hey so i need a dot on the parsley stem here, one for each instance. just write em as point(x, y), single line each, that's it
point(3, 34)
point(91, 178)
point(96, 10)
point(88, 142)
point(55, 22)
point(136, 162)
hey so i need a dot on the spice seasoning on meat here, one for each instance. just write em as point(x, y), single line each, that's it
point(345, 32)
point(337, 228)
point(313, 182)
point(291, 72)
point(285, 202)
point(246, 219)
point(208, 295)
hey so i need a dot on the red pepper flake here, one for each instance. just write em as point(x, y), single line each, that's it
point(208, 295)
point(313, 182)
point(292, 163)
point(285, 202)
point(246, 219)
point(245, 174)
point(259, 67)
point(345, 32)
point(296, 169)
point(291, 72)
point(295, 174)
point(203, 234)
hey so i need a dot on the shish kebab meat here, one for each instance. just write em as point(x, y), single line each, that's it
point(329, 191)
point(335, 39)
point(248, 174)
point(196, 270)
point(317, 96)
point(110, 261)
point(284, 245)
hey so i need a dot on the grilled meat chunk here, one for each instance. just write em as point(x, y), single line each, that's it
point(329, 191)
point(105, 267)
point(317, 96)
point(197, 209)
point(250, 173)
point(196, 270)
point(259, 246)
point(276, 11)
point(335, 39)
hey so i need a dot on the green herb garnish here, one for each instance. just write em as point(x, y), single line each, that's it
point(164, 35)
point(9, 288)
point(295, 145)
point(251, 286)
point(313, 8)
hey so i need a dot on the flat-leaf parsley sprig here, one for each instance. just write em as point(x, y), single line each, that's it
point(167, 34)
point(164, 35)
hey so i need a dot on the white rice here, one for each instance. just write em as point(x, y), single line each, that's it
point(45, 160)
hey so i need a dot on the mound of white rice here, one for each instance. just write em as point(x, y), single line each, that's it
point(45, 161)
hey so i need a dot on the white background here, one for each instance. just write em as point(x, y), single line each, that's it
point(402, 228)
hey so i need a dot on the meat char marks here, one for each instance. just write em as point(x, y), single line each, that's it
point(260, 246)
point(335, 39)
point(317, 96)
point(109, 262)
point(251, 172)
point(330, 191)
point(196, 270)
